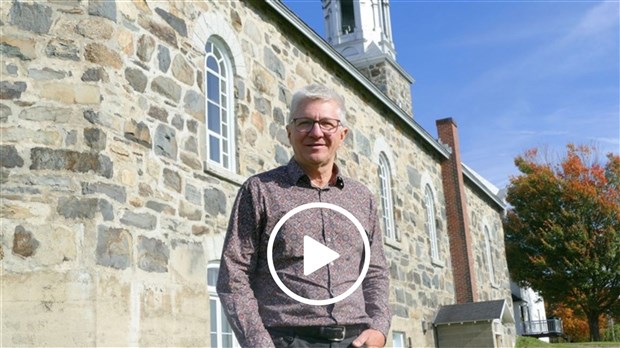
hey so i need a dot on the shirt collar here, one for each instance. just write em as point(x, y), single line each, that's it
point(296, 173)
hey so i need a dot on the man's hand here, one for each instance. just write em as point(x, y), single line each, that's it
point(370, 338)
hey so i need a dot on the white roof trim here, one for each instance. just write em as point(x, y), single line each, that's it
point(487, 187)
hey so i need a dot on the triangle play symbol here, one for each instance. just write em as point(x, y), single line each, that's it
point(316, 255)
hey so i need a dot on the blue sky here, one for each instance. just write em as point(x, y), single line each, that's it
point(513, 74)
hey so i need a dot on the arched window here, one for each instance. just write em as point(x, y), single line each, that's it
point(221, 332)
point(489, 255)
point(385, 177)
point(430, 224)
point(219, 92)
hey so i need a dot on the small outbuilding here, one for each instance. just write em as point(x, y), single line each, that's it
point(475, 324)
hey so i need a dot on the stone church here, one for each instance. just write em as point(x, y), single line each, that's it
point(127, 128)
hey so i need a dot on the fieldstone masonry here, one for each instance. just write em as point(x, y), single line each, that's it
point(390, 81)
point(109, 212)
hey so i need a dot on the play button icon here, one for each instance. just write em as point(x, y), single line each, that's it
point(316, 255)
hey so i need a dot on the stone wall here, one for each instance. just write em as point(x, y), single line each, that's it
point(109, 212)
point(391, 82)
point(483, 214)
point(497, 286)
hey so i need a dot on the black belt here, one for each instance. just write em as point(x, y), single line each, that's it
point(330, 333)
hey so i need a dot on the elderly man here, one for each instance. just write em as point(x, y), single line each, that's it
point(260, 313)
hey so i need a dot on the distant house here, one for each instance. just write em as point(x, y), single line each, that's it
point(530, 316)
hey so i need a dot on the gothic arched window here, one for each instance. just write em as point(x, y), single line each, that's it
point(220, 123)
point(489, 255)
point(430, 224)
point(387, 207)
point(221, 332)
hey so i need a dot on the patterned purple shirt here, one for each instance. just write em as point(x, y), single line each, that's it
point(251, 298)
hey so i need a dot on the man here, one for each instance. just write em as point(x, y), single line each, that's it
point(260, 313)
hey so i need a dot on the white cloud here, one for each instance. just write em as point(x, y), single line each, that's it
point(589, 45)
point(601, 18)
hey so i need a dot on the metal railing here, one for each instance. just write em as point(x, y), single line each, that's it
point(543, 328)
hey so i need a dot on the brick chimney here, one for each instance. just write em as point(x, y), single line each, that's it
point(458, 219)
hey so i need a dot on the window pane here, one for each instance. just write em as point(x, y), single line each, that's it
point(226, 331)
point(213, 316)
point(225, 325)
point(217, 53)
point(227, 340)
point(213, 117)
point(214, 149)
point(224, 121)
point(223, 69)
point(212, 64)
point(399, 339)
point(213, 87)
point(212, 273)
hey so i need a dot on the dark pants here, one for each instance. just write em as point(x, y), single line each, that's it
point(284, 341)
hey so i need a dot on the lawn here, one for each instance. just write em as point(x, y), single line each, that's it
point(529, 342)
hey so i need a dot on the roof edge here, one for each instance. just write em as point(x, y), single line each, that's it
point(390, 60)
point(485, 189)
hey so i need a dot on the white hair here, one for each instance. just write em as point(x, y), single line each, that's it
point(316, 92)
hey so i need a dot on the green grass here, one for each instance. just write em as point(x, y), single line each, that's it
point(529, 342)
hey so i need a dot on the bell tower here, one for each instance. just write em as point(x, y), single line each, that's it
point(361, 31)
point(359, 28)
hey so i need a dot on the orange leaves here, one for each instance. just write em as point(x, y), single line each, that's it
point(575, 324)
point(563, 229)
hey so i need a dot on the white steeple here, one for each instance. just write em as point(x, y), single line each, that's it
point(359, 29)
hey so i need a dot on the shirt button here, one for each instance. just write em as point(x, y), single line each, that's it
point(329, 239)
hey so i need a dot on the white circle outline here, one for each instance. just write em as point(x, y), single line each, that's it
point(288, 291)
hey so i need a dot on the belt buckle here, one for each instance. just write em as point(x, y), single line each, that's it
point(333, 333)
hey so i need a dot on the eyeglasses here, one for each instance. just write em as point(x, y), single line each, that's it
point(305, 125)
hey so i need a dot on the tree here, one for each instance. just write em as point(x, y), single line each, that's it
point(574, 322)
point(563, 230)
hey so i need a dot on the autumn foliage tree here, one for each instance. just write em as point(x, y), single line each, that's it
point(574, 322)
point(563, 230)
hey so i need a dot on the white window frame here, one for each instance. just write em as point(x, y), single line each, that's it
point(489, 255)
point(216, 305)
point(431, 224)
point(219, 108)
point(399, 343)
point(387, 204)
